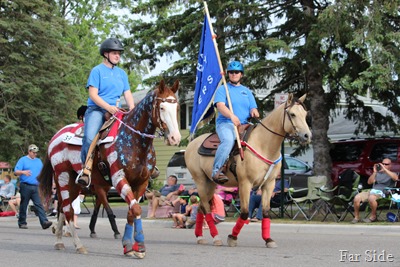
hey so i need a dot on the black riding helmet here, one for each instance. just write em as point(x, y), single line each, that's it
point(111, 44)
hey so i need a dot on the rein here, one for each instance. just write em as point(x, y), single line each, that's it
point(283, 123)
point(152, 136)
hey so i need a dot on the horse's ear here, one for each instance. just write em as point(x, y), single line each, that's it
point(161, 86)
point(303, 98)
point(175, 87)
point(289, 99)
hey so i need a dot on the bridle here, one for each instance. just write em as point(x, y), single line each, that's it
point(286, 111)
point(157, 113)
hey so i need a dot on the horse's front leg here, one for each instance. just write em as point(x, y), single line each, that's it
point(134, 232)
point(266, 220)
point(244, 215)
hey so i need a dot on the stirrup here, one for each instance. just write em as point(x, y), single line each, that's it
point(79, 179)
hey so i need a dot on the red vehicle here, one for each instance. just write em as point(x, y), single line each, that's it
point(360, 155)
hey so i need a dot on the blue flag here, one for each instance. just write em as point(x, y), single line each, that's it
point(207, 78)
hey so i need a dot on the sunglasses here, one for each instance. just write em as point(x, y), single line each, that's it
point(234, 72)
point(385, 164)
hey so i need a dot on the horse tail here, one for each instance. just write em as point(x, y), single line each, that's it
point(45, 178)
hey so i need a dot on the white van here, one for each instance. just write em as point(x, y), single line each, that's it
point(177, 166)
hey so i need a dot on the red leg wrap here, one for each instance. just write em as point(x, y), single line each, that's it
point(238, 226)
point(266, 228)
point(211, 225)
point(198, 231)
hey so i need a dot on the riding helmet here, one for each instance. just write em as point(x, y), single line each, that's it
point(235, 65)
point(111, 44)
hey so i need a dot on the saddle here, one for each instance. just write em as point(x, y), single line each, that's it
point(210, 144)
point(107, 132)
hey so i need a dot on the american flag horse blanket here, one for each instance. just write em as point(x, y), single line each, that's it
point(130, 159)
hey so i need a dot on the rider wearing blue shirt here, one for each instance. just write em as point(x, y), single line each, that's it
point(243, 105)
point(106, 83)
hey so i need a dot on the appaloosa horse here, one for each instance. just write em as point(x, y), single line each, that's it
point(129, 158)
point(258, 169)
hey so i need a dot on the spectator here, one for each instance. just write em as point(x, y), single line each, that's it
point(180, 217)
point(226, 193)
point(7, 190)
point(255, 199)
point(381, 177)
point(193, 207)
point(14, 202)
point(28, 168)
point(164, 196)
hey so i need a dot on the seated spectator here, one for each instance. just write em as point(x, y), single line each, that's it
point(55, 202)
point(7, 190)
point(226, 193)
point(255, 199)
point(164, 196)
point(191, 191)
point(180, 217)
point(193, 207)
point(381, 177)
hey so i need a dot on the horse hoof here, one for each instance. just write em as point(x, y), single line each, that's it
point(217, 241)
point(139, 255)
point(232, 241)
point(201, 240)
point(82, 250)
point(269, 243)
point(59, 246)
point(117, 236)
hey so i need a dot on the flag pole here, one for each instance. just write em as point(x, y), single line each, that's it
point(223, 77)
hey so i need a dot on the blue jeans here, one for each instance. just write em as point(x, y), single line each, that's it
point(226, 134)
point(255, 202)
point(30, 192)
point(94, 119)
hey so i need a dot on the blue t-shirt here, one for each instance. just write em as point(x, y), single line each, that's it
point(242, 101)
point(166, 189)
point(34, 165)
point(111, 83)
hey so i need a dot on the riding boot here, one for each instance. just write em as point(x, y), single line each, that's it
point(220, 177)
point(84, 178)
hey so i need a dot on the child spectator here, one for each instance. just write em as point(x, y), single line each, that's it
point(180, 218)
point(193, 206)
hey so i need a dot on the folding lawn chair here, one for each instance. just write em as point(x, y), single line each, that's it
point(340, 196)
point(313, 183)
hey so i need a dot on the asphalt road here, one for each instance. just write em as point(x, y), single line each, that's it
point(298, 245)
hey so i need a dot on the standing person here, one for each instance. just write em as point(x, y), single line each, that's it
point(381, 178)
point(106, 84)
point(28, 168)
point(244, 106)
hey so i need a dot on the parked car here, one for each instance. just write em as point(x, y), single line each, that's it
point(360, 155)
point(293, 167)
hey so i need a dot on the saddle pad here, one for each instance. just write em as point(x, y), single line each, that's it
point(209, 145)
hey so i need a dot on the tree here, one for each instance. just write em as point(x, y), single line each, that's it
point(47, 51)
point(325, 48)
point(33, 61)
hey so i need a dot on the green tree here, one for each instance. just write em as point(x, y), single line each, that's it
point(47, 51)
point(324, 48)
point(34, 58)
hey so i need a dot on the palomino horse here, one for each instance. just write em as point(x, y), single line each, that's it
point(130, 158)
point(258, 169)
